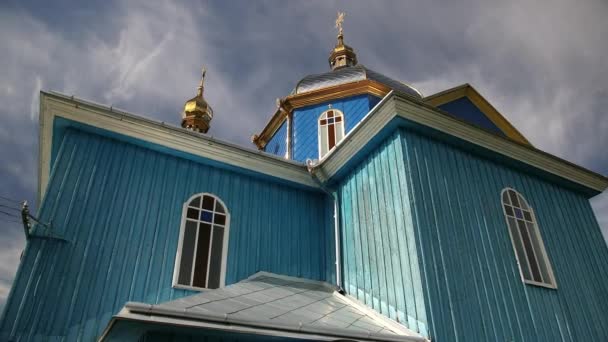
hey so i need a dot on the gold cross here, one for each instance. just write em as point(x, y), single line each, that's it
point(339, 21)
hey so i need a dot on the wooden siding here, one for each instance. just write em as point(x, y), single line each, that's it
point(277, 145)
point(472, 286)
point(305, 122)
point(380, 258)
point(120, 207)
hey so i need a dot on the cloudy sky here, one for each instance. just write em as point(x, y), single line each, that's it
point(541, 63)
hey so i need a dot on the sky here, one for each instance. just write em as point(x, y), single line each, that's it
point(542, 64)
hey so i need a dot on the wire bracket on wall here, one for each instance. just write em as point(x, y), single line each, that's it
point(45, 230)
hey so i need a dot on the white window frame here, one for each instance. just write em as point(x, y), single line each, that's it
point(551, 283)
point(178, 256)
point(324, 149)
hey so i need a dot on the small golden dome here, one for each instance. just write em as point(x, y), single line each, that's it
point(342, 55)
point(197, 113)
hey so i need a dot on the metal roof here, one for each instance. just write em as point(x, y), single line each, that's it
point(351, 74)
point(281, 303)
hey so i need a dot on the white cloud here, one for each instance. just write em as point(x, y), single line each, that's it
point(10, 254)
point(600, 207)
point(35, 101)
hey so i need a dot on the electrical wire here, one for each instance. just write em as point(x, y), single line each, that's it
point(9, 214)
point(9, 207)
point(6, 220)
point(10, 199)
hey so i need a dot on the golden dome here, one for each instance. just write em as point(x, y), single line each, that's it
point(342, 55)
point(197, 113)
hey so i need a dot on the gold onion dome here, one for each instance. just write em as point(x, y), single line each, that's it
point(197, 113)
point(342, 55)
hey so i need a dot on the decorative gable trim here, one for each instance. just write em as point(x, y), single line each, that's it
point(310, 98)
point(466, 90)
point(54, 105)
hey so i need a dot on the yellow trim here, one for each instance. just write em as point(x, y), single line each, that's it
point(466, 90)
point(309, 98)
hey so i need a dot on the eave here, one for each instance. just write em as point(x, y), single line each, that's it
point(55, 105)
point(291, 102)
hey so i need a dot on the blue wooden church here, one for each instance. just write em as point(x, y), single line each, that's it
point(368, 212)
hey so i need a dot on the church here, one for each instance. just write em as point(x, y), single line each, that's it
point(364, 211)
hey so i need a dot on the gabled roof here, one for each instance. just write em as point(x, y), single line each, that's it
point(466, 90)
point(270, 304)
point(400, 110)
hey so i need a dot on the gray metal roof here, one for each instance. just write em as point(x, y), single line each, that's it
point(351, 74)
point(280, 303)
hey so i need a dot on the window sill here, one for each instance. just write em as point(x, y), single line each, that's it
point(548, 286)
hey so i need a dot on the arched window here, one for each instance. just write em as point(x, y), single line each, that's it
point(203, 242)
point(527, 242)
point(331, 130)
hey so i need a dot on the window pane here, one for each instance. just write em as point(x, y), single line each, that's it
point(206, 216)
point(215, 265)
point(518, 213)
point(196, 202)
point(220, 219)
point(528, 216)
point(522, 202)
point(519, 249)
point(185, 267)
point(323, 142)
point(331, 137)
point(218, 207)
point(523, 231)
point(338, 119)
point(509, 210)
point(208, 202)
point(513, 197)
point(202, 255)
point(338, 132)
point(323, 122)
point(542, 263)
point(192, 214)
point(505, 197)
point(330, 114)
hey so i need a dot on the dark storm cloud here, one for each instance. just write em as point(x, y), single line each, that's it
point(542, 64)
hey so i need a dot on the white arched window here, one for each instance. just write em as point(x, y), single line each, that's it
point(203, 243)
point(527, 242)
point(331, 130)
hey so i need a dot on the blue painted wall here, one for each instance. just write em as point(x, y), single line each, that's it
point(380, 258)
point(464, 109)
point(120, 205)
point(277, 145)
point(425, 242)
point(305, 122)
point(473, 290)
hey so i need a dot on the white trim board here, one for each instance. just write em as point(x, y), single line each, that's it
point(397, 105)
point(56, 105)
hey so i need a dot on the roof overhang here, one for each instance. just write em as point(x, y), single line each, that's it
point(102, 119)
point(291, 102)
point(400, 110)
point(153, 320)
point(188, 315)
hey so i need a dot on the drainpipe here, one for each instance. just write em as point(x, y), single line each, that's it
point(310, 165)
